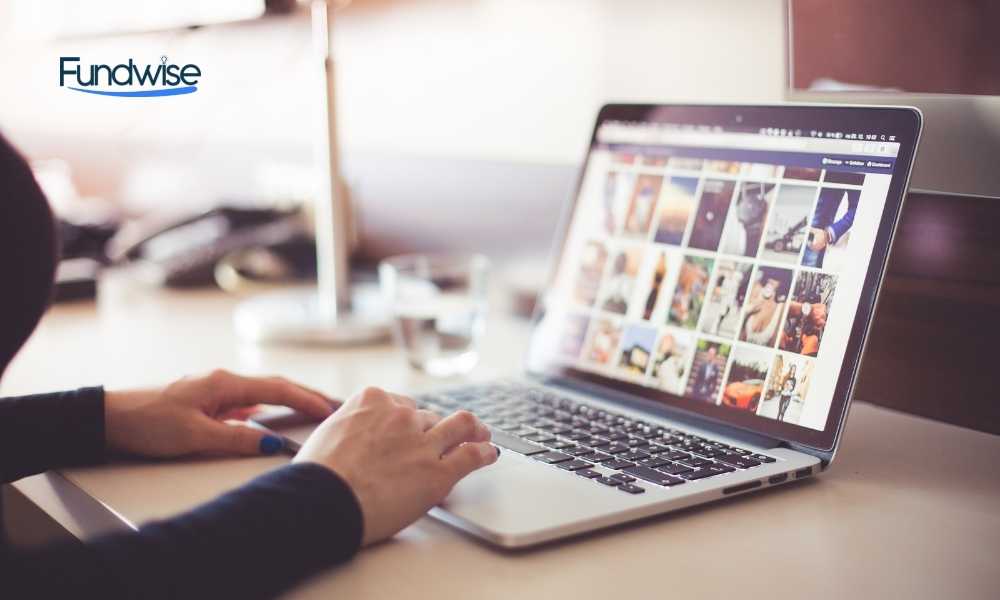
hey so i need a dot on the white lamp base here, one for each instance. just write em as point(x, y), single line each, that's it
point(294, 317)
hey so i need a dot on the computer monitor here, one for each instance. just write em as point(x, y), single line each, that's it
point(939, 56)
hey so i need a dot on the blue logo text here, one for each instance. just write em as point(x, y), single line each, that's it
point(164, 79)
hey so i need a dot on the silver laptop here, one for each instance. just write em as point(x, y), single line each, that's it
point(700, 336)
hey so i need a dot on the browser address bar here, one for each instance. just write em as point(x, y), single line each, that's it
point(619, 133)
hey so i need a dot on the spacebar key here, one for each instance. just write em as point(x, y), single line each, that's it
point(505, 440)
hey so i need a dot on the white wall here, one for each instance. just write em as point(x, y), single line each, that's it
point(508, 80)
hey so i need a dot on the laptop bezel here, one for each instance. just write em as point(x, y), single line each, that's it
point(903, 122)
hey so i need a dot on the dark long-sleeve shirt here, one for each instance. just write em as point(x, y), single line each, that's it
point(252, 542)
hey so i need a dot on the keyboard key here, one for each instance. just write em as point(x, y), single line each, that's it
point(552, 457)
point(608, 481)
point(676, 455)
point(510, 426)
point(523, 431)
point(648, 432)
point(541, 437)
point(595, 442)
point(577, 435)
point(654, 461)
point(655, 449)
point(709, 452)
point(505, 440)
point(704, 472)
point(589, 473)
point(634, 455)
point(579, 451)
point(735, 460)
point(617, 464)
point(674, 469)
point(695, 462)
point(616, 436)
point(631, 488)
point(574, 465)
point(653, 476)
point(561, 445)
point(622, 477)
point(635, 442)
point(763, 458)
point(616, 448)
point(596, 457)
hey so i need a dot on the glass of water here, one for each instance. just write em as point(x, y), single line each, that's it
point(439, 306)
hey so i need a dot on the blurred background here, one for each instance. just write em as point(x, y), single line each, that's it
point(462, 124)
point(444, 105)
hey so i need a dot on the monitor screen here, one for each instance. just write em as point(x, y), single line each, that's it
point(722, 264)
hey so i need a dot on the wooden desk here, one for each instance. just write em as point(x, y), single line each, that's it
point(908, 509)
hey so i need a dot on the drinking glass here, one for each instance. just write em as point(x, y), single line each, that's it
point(439, 304)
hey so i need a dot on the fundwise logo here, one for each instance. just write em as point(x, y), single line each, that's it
point(164, 79)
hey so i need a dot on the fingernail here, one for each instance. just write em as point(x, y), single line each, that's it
point(271, 444)
point(497, 448)
point(484, 431)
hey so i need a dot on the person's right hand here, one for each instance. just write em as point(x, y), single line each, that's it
point(820, 239)
point(398, 460)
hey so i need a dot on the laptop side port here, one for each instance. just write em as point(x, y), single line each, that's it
point(779, 478)
point(806, 472)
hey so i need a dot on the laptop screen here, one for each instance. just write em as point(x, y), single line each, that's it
point(721, 263)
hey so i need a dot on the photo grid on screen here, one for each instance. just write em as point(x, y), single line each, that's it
point(710, 279)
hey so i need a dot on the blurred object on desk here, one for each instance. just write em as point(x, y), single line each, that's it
point(84, 226)
point(185, 253)
point(439, 304)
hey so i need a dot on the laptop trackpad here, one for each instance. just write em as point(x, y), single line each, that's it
point(514, 497)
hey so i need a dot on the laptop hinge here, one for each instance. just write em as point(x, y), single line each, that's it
point(825, 456)
point(657, 409)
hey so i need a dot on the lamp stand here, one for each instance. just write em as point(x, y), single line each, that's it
point(334, 313)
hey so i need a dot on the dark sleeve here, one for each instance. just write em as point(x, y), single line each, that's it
point(253, 542)
point(49, 431)
point(845, 223)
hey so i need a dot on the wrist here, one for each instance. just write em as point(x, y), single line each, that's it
point(831, 235)
point(120, 416)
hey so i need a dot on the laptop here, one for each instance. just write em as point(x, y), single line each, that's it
point(713, 283)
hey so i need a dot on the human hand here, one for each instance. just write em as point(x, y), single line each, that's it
point(398, 460)
point(820, 239)
point(186, 417)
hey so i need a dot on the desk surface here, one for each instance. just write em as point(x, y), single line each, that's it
point(908, 509)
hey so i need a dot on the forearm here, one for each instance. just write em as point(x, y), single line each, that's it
point(253, 542)
point(47, 431)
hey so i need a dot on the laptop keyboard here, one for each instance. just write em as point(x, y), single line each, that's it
point(574, 436)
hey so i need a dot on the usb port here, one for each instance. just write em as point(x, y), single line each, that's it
point(773, 479)
point(806, 472)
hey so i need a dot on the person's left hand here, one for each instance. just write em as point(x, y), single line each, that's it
point(187, 416)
